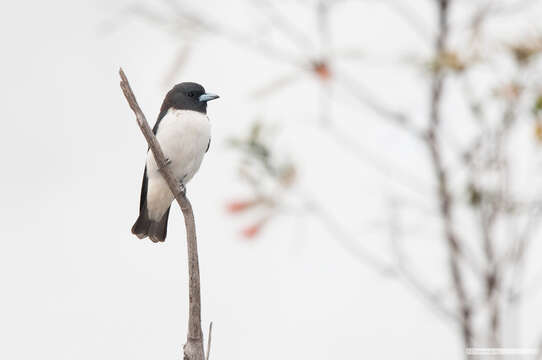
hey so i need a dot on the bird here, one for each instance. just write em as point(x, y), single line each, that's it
point(183, 131)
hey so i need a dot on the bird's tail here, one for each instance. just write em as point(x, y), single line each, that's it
point(155, 230)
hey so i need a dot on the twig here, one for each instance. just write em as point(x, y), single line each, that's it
point(431, 297)
point(326, 56)
point(381, 166)
point(193, 349)
point(212, 26)
point(364, 96)
point(507, 10)
point(289, 29)
point(349, 242)
point(209, 340)
point(180, 60)
point(412, 18)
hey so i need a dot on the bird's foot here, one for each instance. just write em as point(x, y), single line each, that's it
point(168, 162)
point(182, 188)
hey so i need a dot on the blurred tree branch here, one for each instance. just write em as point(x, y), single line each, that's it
point(484, 267)
point(454, 245)
point(485, 153)
point(490, 205)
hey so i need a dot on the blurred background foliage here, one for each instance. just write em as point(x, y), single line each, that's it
point(467, 103)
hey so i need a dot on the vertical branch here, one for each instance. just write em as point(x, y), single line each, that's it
point(193, 349)
point(209, 341)
point(488, 216)
point(444, 195)
point(489, 212)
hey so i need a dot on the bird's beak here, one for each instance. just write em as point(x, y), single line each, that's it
point(208, 97)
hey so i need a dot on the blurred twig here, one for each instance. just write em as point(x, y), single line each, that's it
point(412, 18)
point(350, 243)
point(445, 199)
point(366, 98)
point(289, 30)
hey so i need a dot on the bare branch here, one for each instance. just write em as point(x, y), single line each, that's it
point(412, 18)
point(514, 257)
point(349, 242)
point(193, 349)
point(209, 341)
point(431, 297)
point(510, 9)
point(393, 175)
point(366, 98)
point(180, 60)
point(283, 24)
point(445, 198)
point(239, 38)
point(398, 271)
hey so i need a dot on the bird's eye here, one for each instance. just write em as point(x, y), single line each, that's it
point(191, 94)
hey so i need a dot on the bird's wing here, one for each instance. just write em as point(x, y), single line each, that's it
point(145, 181)
point(163, 111)
point(144, 185)
point(160, 117)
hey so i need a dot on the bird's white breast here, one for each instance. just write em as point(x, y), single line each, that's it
point(184, 136)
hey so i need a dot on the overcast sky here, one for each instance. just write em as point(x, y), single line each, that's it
point(76, 284)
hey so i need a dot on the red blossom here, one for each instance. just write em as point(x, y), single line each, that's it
point(251, 231)
point(240, 205)
point(322, 70)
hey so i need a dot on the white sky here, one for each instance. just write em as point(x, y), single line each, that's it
point(77, 285)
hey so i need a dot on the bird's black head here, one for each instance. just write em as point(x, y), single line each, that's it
point(187, 96)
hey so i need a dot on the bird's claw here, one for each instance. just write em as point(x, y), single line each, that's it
point(168, 162)
point(182, 188)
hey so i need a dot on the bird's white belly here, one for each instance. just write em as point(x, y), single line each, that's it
point(184, 136)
